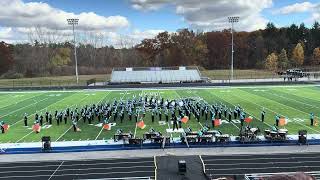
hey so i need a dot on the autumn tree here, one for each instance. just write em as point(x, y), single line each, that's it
point(283, 62)
point(316, 56)
point(297, 58)
point(61, 58)
point(6, 58)
point(271, 62)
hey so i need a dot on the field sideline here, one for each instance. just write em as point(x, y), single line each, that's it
point(293, 102)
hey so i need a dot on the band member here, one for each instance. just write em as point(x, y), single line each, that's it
point(229, 116)
point(25, 119)
point(41, 120)
point(311, 119)
point(65, 118)
point(175, 123)
point(219, 114)
point(50, 118)
point(55, 114)
point(179, 121)
point(262, 115)
point(167, 115)
point(47, 117)
point(58, 121)
point(2, 128)
point(277, 120)
point(130, 115)
point(212, 121)
point(242, 115)
point(136, 116)
point(74, 124)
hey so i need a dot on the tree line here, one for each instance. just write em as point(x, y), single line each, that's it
point(271, 48)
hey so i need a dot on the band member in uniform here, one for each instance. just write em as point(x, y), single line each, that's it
point(58, 121)
point(1, 126)
point(41, 120)
point(230, 116)
point(74, 124)
point(262, 115)
point(242, 118)
point(311, 119)
point(179, 121)
point(277, 120)
point(136, 116)
point(25, 119)
point(212, 121)
point(167, 115)
point(47, 117)
point(65, 118)
point(175, 123)
point(50, 118)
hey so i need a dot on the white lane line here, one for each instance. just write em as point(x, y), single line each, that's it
point(62, 175)
point(55, 170)
point(273, 163)
point(78, 169)
point(87, 162)
point(245, 168)
point(156, 167)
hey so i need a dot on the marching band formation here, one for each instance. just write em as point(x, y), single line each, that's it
point(175, 112)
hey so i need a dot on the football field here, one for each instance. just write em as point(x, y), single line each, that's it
point(293, 102)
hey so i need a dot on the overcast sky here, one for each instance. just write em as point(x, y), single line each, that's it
point(138, 19)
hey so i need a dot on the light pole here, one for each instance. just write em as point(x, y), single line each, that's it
point(232, 20)
point(74, 22)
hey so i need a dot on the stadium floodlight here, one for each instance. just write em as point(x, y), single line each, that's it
point(232, 20)
point(74, 22)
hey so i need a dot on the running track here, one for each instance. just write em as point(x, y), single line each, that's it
point(85, 169)
point(238, 165)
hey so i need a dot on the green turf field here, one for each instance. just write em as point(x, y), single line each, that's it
point(293, 102)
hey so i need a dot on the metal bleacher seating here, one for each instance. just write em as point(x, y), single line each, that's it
point(155, 75)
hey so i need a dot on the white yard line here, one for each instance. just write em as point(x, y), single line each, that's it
point(36, 102)
point(294, 100)
point(24, 136)
point(46, 123)
point(99, 133)
point(16, 102)
point(81, 118)
point(64, 133)
point(281, 114)
point(135, 130)
point(39, 110)
point(55, 170)
point(248, 112)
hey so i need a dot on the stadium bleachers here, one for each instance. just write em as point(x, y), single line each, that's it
point(155, 75)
